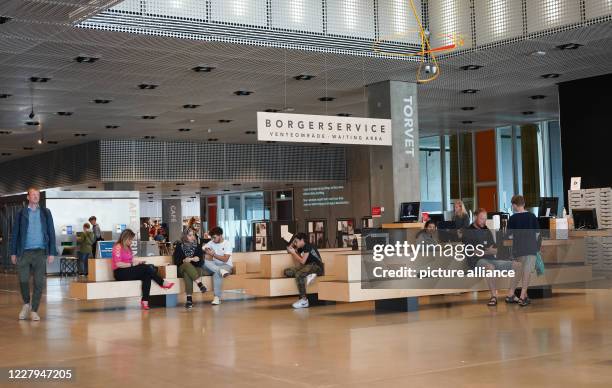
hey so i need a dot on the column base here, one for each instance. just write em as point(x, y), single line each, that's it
point(398, 304)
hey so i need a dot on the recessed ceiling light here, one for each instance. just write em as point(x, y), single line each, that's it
point(52, 142)
point(40, 79)
point(80, 134)
point(304, 77)
point(176, 190)
point(149, 137)
point(203, 69)
point(529, 112)
point(538, 97)
point(28, 148)
point(101, 101)
point(344, 114)
point(250, 132)
point(180, 184)
point(150, 193)
point(92, 187)
point(243, 93)
point(271, 110)
point(470, 91)
point(224, 121)
point(149, 117)
point(569, 46)
point(150, 201)
point(190, 106)
point(112, 126)
point(551, 75)
point(470, 67)
point(32, 123)
point(325, 99)
point(538, 53)
point(6, 154)
point(256, 187)
point(467, 122)
point(64, 113)
point(5, 132)
point(174, 195)
point(236, 184)
point(468, 108)
point(148, 86)
point(85, 59)
point(184, 129)
point(270, 141)
point(5, 19)
point(150, 187)
point(226, 189)
point(4, 95)
point(205, 187)
point(213, 139)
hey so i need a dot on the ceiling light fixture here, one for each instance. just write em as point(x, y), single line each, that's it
point(149, 117)
point(32, 123)
point(569, 46)
point(224, 121)
point(551, 75)
point(344, 114)
point(5, 19)
point(528, 112)
point(148, 86)
point(28, 148)
point(80, 134)
point(467, 122)
point(113, 126)
point(470, 67)
point(5, 132)
point(303, 77)
point(326, 99)
point(40, 141)
point(148, 137)
point(53, 142)
point(203, 69)
point(538, 97)
point(180, 184)
point(271, 110)
point(85, 59)
point(470, 91)
point(6, 154)
point(4, 95)
point(243, 93)
point(213, 139)
point(64, 113)
point(250, 132)
point(184, 129)
point(150, 187)
point(191, 106)
point(468, 108)
point(101, 101)
point(40, 79)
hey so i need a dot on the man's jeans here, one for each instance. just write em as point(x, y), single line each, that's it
point(34, 262)
point(211, 268)
point(84, 262)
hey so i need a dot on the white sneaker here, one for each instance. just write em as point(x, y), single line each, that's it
point(25, 310)
point(310, 278)
point(224, 273)
point(34, 316)
point(215, 301)
point(301, 304)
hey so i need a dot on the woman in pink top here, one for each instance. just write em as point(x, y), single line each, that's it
point(125, 268)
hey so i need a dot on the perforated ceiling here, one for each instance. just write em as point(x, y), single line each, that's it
point(40, 41)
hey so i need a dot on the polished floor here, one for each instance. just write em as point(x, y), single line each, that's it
point(564, 341)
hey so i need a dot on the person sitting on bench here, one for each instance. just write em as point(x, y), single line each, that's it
point(218, 261)
point(126, 268)
point(310, 266)
point(478, 234)
point(189, 259)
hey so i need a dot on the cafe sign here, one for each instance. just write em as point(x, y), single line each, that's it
point(298, 128)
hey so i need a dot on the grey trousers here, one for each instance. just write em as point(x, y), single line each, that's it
point(32, 262)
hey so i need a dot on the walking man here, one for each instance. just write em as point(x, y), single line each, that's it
point(32, 246)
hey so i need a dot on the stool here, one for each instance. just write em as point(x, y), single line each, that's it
point(69, 266)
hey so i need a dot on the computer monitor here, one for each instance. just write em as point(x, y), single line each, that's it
point(585, 218)
point(373, 239)
point(436, 217)
point(548, 207)
point(409, 211)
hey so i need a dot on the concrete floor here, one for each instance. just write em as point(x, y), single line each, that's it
point(452, 341)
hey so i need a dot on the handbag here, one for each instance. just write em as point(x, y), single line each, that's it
point(539, 264)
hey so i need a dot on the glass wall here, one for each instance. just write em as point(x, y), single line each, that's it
point(434, 173)
point(235, 214)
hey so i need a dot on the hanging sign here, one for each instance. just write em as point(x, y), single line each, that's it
point(298, 128)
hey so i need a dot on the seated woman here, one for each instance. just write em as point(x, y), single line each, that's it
point(427, 235)
point(188, 258)
point(125, 268)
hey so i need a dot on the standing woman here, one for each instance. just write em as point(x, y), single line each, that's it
point(460, 216)
point(125, 268)
point(189, 259)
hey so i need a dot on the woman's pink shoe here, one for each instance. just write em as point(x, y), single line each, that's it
point(145, 305)
point(168, 285)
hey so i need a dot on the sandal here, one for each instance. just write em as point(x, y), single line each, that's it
point(512, 299)
point(524, 302)
point(492, 301)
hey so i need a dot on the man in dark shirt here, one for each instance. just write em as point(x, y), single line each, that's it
point(478, 234)
point(310, 266)
point(523, 228)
